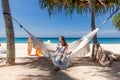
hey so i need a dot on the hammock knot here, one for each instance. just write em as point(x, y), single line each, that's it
point(21, 26)
point(6, 13)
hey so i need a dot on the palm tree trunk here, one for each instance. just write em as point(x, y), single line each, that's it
point(10, 59)
point(93, 26)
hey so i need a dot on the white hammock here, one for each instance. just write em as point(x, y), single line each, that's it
point(75, 47)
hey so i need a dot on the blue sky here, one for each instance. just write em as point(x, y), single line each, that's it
point(38, 22)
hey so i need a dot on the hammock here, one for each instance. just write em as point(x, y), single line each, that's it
point(80, 46)
point(77, 48)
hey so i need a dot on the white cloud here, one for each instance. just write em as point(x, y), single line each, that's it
point(72, 34)
point(101, 33)
point(109, 33)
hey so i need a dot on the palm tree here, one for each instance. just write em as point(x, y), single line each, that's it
point(94, 7)
point(116, 21)
point(10, 59)
point(116, 18)
point(98, 7)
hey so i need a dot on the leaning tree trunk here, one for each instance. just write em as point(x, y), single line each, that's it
point(10, 59)
point(93, 26)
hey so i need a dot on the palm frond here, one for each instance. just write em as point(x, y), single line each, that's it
point(116, 21)
point(79, 6)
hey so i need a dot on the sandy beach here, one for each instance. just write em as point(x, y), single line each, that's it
point(32, 68)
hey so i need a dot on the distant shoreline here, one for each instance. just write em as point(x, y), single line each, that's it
point(104, 40)
point(65, 37)
point(69, 40)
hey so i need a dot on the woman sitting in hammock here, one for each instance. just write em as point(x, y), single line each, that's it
point(59, 53)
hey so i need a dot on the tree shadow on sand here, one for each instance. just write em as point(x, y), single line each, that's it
point(113, 71)
point(86, 61)
point(41, 69)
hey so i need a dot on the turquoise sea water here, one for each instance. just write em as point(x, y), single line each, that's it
point(55, 40)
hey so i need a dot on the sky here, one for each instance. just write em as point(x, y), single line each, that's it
point(40, 24)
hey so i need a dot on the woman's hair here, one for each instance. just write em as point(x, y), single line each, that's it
point(63, 41)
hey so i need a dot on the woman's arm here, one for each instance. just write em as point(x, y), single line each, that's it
point(52, 50)
point(56, 48)
point(64, 52)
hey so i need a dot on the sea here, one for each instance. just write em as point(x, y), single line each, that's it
point(68, 40)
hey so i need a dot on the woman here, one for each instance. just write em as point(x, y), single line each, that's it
point(60, 52)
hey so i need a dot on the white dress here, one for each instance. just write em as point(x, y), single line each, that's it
point(63, 62)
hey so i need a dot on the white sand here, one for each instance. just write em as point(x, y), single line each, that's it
point(30, 68)
point(115, 48)
point(20, 49)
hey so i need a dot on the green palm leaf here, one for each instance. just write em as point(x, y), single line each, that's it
point(116, 21)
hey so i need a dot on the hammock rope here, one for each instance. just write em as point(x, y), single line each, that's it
point(108, 18)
